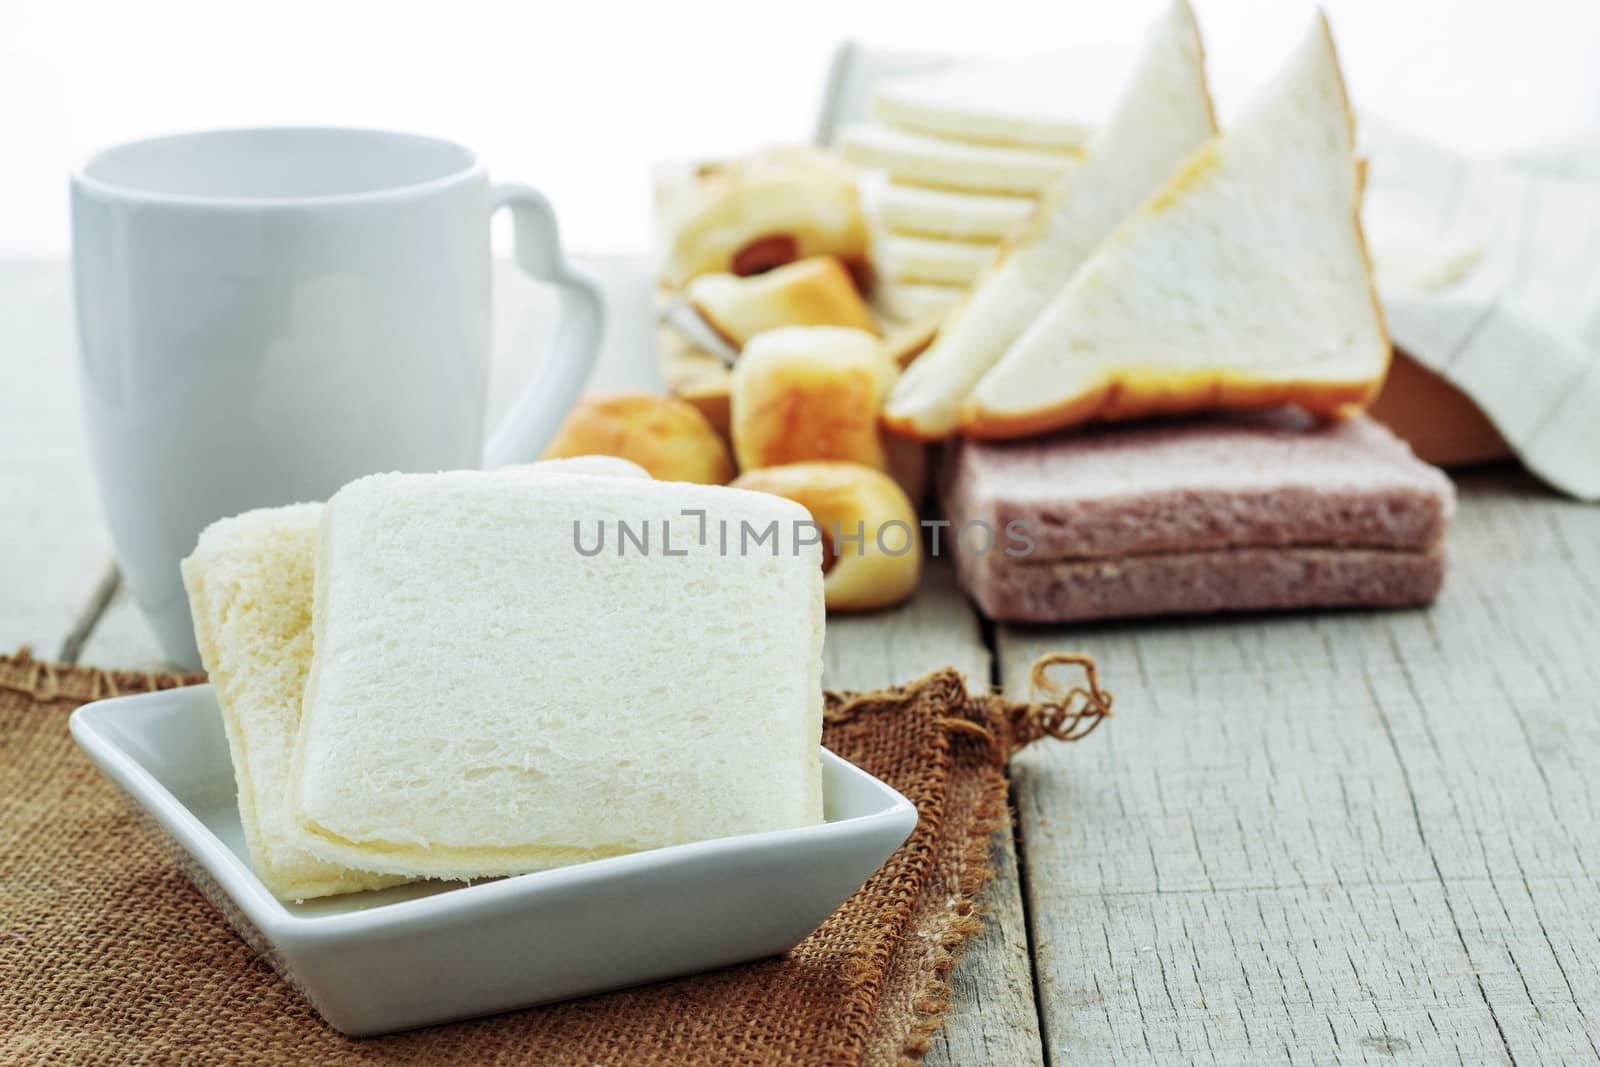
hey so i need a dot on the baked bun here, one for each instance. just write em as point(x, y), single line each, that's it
point(810, 392)
point(761, 211)
point(665, 435)
point(811, 292)
point(860, 573)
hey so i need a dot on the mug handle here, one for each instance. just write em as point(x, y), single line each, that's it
point(538, 410)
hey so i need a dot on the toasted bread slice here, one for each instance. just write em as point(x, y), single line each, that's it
point(921, 160)
point(1164, 114)
point(1243, 282)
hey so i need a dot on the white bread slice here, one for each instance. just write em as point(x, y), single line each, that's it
point(1243, 282)
point(485, 699)
point(922, 212)
point(250, 580)
point(915, 301)
point(1054, 100)
point(898, 258)
point(1164, 114)
point(922, 160)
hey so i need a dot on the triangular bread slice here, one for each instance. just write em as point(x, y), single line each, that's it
point(1163, 115)
point(1243, 282)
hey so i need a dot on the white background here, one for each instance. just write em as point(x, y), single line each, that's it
point(581, 98)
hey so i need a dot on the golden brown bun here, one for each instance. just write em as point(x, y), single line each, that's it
point(878, 571)
point(810, 392)
point(666, 436)
point(761, 211)
point(811, 292)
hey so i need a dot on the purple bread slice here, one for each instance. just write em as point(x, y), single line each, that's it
point(1267, 478)
point(1226, 513)
point(1179, 583)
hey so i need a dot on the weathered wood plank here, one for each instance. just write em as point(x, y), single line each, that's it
point(52, 542)
point(1337, 837)
point(993, 1018)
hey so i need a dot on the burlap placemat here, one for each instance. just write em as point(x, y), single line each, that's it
point(108, 955)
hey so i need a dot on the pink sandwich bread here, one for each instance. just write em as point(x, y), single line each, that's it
point(1246, 512)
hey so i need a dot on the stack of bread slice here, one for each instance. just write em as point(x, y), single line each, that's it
point(1230, 511)
point(432, 676)
point(956, 162)
point(1173, 270)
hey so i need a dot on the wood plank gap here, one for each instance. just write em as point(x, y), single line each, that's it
point(989, 632)
point(1019, 846)
point(90, 614)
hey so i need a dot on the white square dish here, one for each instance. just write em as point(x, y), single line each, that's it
point(372, 963)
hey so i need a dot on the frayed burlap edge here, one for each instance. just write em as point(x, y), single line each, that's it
point(916, 992)
point(48, 683)
point(945, 927)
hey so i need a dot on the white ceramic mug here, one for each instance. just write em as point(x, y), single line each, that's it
point(266, 314)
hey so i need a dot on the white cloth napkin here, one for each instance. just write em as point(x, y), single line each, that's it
point(1488, 270)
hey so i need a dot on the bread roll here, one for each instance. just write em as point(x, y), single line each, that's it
point(665, 435)
point(811, 292)
point(810, 392)
point(762, 211)
point(872, 544)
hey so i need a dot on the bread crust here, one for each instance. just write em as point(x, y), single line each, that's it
point(1121, 398)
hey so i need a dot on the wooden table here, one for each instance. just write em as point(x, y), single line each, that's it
point(1309, 838)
